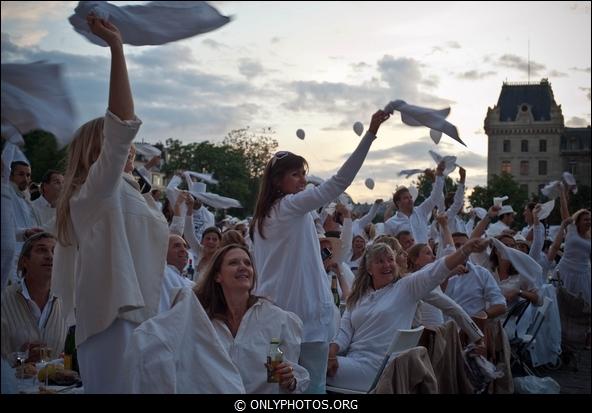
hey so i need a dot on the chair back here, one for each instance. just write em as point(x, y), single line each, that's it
point(539, 317)
point(513, 317)
point(402, 340)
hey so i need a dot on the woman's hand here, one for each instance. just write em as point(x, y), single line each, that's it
point(377, 119)
point(105, 30)
point(286, 374)
point(332, 366)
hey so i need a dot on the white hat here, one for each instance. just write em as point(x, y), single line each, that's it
point(197, 188)
point(506, 209)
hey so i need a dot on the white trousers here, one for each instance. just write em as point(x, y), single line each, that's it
point(314, 358)
point(100, 358)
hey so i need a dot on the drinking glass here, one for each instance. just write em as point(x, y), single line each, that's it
point(44, 359)
point(20, 357)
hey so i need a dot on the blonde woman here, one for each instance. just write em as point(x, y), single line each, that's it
point(117, 236)
point(381, 302)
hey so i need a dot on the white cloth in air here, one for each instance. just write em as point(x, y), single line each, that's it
point(155, 23)
point(34, 96)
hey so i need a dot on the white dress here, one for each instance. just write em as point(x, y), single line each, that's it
point(574, 267)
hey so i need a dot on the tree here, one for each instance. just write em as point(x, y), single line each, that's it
point(228, 166)
point(257, 148)
point(43, 154)
point(424, 187)
point(500, 185)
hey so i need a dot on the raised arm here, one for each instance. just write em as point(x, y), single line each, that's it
point(445, 235)
point(484, 223)
point(367, 219)
point(437, 194)
point(538, 234)
point(121, 103)
point(459, 196)
point(563, 199)
point(556, 245)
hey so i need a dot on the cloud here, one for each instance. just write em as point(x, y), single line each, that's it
point(358, 67)
point(275, 39)
point(576, 122)
point(35, 11)
point(586, 90)
point(516, 62)
point(475, 74)
point(213, 44)
point(164, 56)
point(580, 69)
point(250, 68)
point(444, 46)
point(556, 73)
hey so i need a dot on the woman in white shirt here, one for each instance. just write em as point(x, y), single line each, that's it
point(382, 302)
point(285, 246)
point(113, 238)
point(246, 323)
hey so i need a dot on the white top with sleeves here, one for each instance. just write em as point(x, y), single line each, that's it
point(537, 254)
point(248, 350)
point(360, 223)
point(122, 241)
point(346, 237)
point(172, 281)
point(367, 329)
point(574, 266)
point(44, 210)
point(417, 222)
point(288, 259)
point(179, 352)
point(475, 290)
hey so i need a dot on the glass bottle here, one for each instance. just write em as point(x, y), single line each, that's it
point(190, 270)
point(335, 291)
point(70, 359)
point(274, 358)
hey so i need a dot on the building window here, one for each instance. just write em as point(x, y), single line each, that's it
point(523, 167)
point(572, 167)
point(542, 167)
point(507, 167)
point(507, 146)
point(542, 145)
point(524, 146)
point(573, 144)
point(524, 188)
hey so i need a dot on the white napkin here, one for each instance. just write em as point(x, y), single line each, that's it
point(523, 263)
point(217, 201)
point(500, 200)
point(552, 189)
point(206, 177)
point(570, 181)
point(155, 23)
point(413, 192)
point(147, 150)
point(480, 212)
point(34, 97)
point(410, 172)
point(449, 161)
point(546, 209)
point(417, 116)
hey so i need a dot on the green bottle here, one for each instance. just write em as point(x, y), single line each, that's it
point(70, 359)
point(335, 291)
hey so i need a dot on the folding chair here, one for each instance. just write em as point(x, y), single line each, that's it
point(513, 317)
point(525, 342)
point(402, 340)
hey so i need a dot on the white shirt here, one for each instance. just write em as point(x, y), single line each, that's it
point(248, 350)
point(178, 351)
point(367, 329)
point(202, 219)
point(474, 291)
point(417, 222)
point(40, 315)
point(172, 281)
point(44, 210)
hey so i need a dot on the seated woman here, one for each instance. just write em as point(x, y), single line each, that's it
point(382, 302)
point(246, 323)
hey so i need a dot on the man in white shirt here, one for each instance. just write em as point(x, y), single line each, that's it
point(51, 187)
point(415, 219)
point(177, 257)
point(505, 220)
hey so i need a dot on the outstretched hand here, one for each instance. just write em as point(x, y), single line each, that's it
point(377, 119)
point(105, 30)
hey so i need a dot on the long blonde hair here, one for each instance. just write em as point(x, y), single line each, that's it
point(363, 282)
point(83, 151)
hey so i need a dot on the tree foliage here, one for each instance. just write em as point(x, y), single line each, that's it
point(500, 185)
point(424, 186)
point(43, 154)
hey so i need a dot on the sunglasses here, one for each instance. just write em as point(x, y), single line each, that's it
point(278, 155)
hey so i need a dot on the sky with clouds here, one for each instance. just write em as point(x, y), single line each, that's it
point(321, 66)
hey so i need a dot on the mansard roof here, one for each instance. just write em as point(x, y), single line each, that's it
point(538, 96)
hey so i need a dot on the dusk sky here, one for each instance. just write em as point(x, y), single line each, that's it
point(321, 66)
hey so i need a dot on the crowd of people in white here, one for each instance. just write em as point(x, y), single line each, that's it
point(97, 251)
